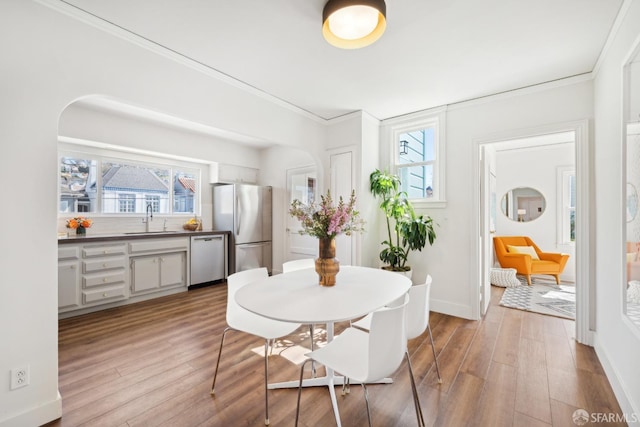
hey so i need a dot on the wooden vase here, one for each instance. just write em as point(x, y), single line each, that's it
point(327, 266)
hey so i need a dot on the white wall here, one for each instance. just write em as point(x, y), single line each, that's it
point(52, 61)
point(535, 167)
point(275, 161)
point(451, 260)
point(55, 60)
point(617, 341)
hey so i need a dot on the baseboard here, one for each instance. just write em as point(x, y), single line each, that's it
point(38, 416)
point(445, 307)
point(617, 384)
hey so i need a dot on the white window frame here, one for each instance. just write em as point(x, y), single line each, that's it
point(127, 200)
point(563, 219)
point(100, 157)
point(391, 131)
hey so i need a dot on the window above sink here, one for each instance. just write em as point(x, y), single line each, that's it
point(92, 183)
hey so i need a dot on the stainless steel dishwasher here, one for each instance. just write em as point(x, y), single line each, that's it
point(208, 258)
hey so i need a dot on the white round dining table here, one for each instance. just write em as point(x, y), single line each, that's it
point(297, 297)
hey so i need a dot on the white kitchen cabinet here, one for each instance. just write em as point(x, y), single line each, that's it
point(68, 284)
point(105, 272)
point(225, 173)
point(173, 270)
point(68, 278)
point(151, 273)
point(104, 277)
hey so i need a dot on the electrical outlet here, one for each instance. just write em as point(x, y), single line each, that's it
point(19, 377)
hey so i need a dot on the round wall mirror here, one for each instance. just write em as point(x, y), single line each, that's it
point(523, 204)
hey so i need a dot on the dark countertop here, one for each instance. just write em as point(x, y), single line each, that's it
point(106, 237)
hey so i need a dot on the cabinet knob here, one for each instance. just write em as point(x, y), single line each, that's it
point(104, 265)
point(105, 294)
point(104, 280)
point(73, 267)
point(106, 252)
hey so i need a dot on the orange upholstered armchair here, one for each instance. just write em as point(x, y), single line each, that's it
point(520, 252)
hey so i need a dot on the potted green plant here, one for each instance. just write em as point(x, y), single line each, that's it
point(406, 230)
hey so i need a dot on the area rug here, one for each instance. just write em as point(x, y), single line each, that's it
point(545, 298)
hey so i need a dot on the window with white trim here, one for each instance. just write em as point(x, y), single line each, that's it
point(417, 155)
point(126, 202)
point(93, 183)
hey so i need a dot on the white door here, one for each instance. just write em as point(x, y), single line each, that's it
point(342, 183)
point(487, 227)
point(301, 185)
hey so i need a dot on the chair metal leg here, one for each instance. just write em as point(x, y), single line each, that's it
point(366, 399)
point(346, 386)
point(300, 391)
point(414, 390)
point(266, 381)
point(213, 385)
point(433, 348)
point(313, 363)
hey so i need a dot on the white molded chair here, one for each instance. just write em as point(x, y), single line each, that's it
point(301, 264)
point(298, 264)
point(239, 319)
point(363, 356)
point(417, 318)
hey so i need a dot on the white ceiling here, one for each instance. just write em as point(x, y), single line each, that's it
point(433, 53)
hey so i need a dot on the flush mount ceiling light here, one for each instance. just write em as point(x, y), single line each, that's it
point(352, 24)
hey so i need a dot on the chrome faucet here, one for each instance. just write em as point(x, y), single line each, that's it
point(148, 217)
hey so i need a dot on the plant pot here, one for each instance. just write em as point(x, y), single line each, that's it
point(407, 273)
point(327, 266)
point(81, 231)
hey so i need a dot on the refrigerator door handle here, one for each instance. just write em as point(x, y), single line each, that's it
point(252, 245)
point(238, 215)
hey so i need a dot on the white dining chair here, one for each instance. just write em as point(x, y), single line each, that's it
point(239, 319)
point(301, 264)
point(298, 264)
point(417, 319)
point(365, 356)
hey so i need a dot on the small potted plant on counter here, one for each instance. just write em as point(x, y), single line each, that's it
point(406, 230)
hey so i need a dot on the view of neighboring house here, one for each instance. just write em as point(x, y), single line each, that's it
point(119, 196)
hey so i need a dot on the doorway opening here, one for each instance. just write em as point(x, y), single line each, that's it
point(540, 160)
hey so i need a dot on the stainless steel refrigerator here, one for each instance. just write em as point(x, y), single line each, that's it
point(246, 211)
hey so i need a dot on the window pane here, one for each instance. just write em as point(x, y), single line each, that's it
point(77, 185)
point(416, 146)
point(130, 188)
point(572, 190)
point(416, 181)
point(126, 202)
point(572, 225)
point(184, 190)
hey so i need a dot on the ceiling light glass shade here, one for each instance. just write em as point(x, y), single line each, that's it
point(352, 24)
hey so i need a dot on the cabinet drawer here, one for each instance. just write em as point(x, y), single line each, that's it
point(103, 264)
point(68, 252)
point(114, 292)
point(104, 250)
point(103, 279)
point(146, 245)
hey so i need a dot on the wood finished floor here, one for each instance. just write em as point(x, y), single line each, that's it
point(152, 363)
